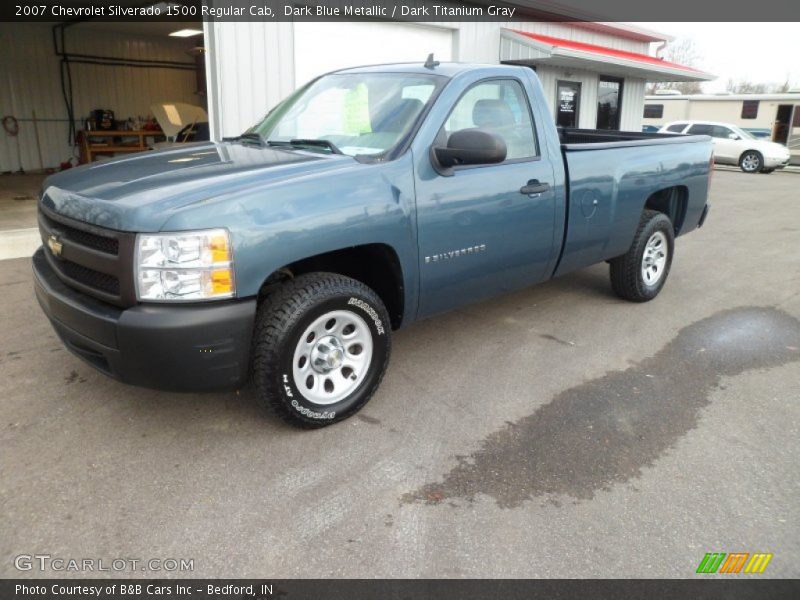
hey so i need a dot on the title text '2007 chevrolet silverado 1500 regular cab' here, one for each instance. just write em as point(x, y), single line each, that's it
point(368, 199)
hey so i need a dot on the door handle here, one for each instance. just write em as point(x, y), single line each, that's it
point(534, 187)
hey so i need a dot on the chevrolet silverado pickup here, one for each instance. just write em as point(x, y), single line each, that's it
point(368, 199)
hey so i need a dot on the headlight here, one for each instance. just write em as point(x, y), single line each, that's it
point(187, 266)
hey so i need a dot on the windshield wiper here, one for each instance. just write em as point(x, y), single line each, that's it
point(250, 136)
point(307, 142)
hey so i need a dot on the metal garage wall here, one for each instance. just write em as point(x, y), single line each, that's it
point(387, 42)
point(250, 68)
point(29, 80)
point(632, 104)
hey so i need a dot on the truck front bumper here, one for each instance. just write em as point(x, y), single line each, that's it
point(188, 347)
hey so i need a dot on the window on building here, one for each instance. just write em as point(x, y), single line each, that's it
point(609, 102)
point(653, 111)
point(676, 127)
point(750, 109)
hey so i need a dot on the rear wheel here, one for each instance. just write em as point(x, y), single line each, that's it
point(321, 347)
point(640, 273)
point(751, 161)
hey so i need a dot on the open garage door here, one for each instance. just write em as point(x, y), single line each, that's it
point(320, 47)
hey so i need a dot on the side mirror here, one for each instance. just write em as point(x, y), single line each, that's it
point(733, 136)
point(469, 147)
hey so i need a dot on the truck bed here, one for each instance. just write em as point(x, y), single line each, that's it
point(596, 139)
point(607, 190)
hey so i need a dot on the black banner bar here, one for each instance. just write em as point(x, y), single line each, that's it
point(398, 10)
point(744, 587)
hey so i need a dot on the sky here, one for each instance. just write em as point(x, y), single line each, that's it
point(758, 52)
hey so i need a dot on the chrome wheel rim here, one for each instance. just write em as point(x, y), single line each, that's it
point(332, 357)
point(750, 162)
point(654, 260)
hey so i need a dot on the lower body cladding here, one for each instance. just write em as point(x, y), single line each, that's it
point(190, 347)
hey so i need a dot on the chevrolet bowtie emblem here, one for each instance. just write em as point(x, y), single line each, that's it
point(54, 245)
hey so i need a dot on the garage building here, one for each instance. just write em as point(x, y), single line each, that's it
point(594, 74)
point(56, 76)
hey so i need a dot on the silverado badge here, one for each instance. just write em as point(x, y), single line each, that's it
point(55, 245)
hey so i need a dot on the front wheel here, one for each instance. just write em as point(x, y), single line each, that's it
point(640, 273)
point(321, 346)
point(751, 162)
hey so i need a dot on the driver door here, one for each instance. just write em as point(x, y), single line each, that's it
point(479, 232)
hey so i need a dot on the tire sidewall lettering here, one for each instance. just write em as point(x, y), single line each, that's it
point(287, 387)
point(370, 312)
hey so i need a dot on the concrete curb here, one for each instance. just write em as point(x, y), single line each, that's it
point(19, 243)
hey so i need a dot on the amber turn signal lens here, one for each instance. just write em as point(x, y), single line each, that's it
point(221, 282)
point(220, 252)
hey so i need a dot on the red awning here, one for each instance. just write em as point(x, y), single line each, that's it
point(604, 50)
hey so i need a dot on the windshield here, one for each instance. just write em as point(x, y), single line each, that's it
point(360, 114)
point(745, 135)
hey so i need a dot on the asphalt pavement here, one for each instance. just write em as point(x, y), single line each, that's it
point(554, 432)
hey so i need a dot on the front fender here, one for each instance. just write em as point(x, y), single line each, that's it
point(294, 219)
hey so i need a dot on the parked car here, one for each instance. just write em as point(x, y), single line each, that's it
point(369, 199)
point(734, 146)
point(649, 128)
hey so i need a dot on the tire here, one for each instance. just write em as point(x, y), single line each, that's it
point(640, 273)
point(751, 161)
point(323, 330)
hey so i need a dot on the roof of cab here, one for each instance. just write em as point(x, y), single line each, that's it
point(445, 69)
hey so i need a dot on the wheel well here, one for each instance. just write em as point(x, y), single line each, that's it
point(375, 265)
point(671, 201)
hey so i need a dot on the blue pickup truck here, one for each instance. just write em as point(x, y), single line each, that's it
point(368, 199)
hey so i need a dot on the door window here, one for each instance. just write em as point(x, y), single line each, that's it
point(501, 107)
point(609, 102)
point(677, 127)
point(568, 103)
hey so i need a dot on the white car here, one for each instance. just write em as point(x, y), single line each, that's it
point(734, 146)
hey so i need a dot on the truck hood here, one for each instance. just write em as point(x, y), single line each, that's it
point(142, 191)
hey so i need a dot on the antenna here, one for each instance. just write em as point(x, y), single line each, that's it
point(430, 63)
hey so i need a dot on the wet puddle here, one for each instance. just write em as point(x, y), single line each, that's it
point(605, 431)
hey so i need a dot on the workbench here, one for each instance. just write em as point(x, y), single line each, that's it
point(105, 142)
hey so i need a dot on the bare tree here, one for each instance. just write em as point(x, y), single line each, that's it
point(743, 86)
point(684, 52)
